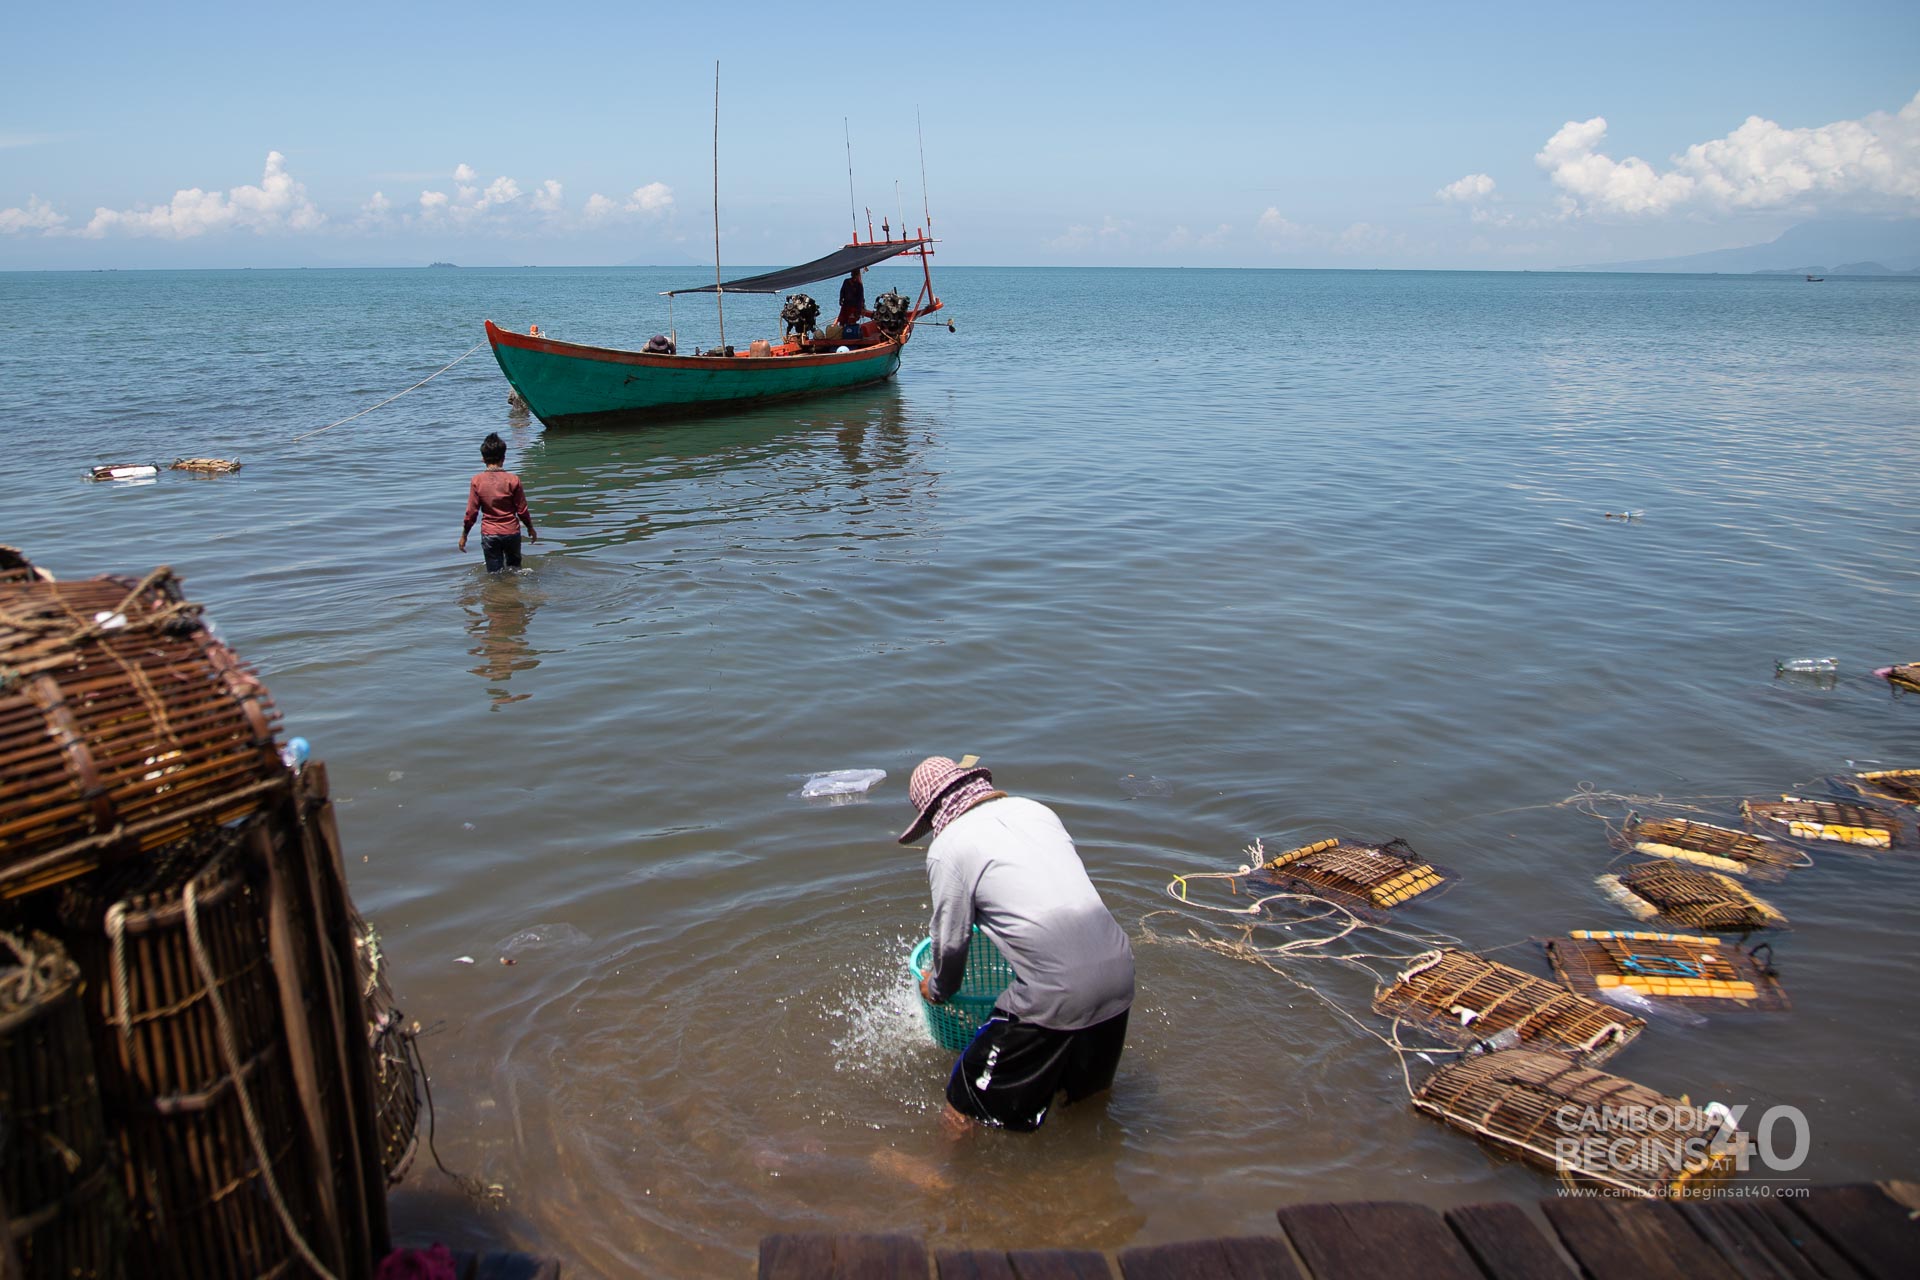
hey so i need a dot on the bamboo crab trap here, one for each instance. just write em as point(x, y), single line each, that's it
point(206, 466)
point(1366, 878)
point(1904, 676)
point(1587, 1126)
point(1855, 824)
point(56, 1177)
point(1902, 785)
point(1735, 853)
point(1689, 969)
point(1469, 1000)
point(193, 1062)
point(124, 725)
point(396, 1081)
point(1690, 898)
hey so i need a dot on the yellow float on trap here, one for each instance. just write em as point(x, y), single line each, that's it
point(1690, 898)
point(1467, 999)
point(1826, 820)
point(1366, 877)
point(1736, 853)
point(1694, 969)
point(1587, 1126)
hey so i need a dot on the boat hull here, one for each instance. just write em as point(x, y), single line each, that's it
point(567, 384)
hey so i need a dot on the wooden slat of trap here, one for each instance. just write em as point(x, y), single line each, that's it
point(973, 1264)
point(1506, 1244)
point(1617, 1239)
point(1868, 1227)
point(1233, 1258)
point(843, 1256)
point(1764, 1238)
point(1371, 1240)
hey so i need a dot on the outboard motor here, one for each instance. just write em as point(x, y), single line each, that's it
point(801, 314)
point(890, 312)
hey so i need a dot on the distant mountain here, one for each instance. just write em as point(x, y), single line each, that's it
point(1869, 246)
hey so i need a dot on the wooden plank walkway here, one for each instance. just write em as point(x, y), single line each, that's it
point(1854, 1232)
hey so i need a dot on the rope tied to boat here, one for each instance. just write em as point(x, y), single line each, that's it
point(396, 395)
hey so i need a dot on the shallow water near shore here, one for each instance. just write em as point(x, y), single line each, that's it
point(1196, 557)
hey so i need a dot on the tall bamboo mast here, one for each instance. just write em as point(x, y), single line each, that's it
point(719, 294)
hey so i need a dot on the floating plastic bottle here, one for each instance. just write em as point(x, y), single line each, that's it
point(296, 753)
point(1807, 666)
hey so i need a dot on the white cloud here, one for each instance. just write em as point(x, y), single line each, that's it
point(1112, 233)
point(654, 198)
point(598, 208)
point(1182, 238)
point(1475, 186)
point(546, 197)
point(279, 203)
point(1872, 162)
point(432, 202)
point(464, 173)
point(1274, 226)
point(37, 216)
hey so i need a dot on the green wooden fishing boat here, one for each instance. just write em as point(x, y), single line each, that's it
point(569, 384)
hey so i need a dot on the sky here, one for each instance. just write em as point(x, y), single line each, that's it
point(1495, 136)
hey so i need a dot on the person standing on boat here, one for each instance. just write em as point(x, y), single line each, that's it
point(853, 301)
point(1007, 864)
point(497, 498)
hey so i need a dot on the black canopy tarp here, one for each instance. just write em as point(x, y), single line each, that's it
point(837, 263)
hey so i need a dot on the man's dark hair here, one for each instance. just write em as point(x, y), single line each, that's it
point(493, 450)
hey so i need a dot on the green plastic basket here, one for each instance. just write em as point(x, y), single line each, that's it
point(955, 1022)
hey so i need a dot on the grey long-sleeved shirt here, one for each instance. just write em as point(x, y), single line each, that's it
point(1009, 866)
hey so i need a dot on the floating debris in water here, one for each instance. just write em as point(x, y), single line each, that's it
point(207, 466)
point(841, 786)
point(124, 471)
point(1466, 999)
point(1688, 968)
point(1145, 787)
point(463, 959)
point(1806, 667)
point(1625, 515)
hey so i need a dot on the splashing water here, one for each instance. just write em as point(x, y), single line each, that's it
point(885, 1028)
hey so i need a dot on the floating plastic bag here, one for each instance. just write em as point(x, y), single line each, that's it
point(842, 785)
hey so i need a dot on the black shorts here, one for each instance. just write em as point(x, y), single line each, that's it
point(1010, 1073)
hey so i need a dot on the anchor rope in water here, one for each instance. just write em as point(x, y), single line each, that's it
point(396, 395)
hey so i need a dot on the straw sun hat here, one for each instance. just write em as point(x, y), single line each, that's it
point(937, 780)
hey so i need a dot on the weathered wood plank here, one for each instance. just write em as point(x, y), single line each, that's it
point(1763, 1237)
point(500, 1265)
point(822, 1256)
point(1371, 1240)
point(1059, 1264)
point(1506, 1243)
point(973, 1264)
point(1234, 1258)
point(1873, 1231)
point(1631, 1239)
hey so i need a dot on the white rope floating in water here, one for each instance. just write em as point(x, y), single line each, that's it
point(396, 395)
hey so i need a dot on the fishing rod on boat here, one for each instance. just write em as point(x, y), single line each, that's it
point(853, 219)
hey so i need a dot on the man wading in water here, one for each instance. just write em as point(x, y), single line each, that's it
point(1006, 864)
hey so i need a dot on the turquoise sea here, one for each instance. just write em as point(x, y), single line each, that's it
point(1197, 557)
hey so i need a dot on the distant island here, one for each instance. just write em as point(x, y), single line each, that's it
point(443, 264)
point(1864, 246)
